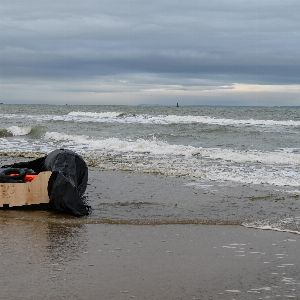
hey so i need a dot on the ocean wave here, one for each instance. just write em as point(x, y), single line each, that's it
point(178, 119)
point(19, 131)
point(4, 133)
point(123, 118)
point(159, 157)
point(157, 147)
point(153, 146)
point(114, 117)
point(15, 131)
point(109, 114)
point(278, 168)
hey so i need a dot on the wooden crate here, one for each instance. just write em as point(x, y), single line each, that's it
point(19, 194)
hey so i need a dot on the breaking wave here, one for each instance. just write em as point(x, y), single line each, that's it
point(97, 115)
point(278, 168)
point(17, 131)
point(5, 133)
point(178, 119)
point(157, 147)
point(120, 117)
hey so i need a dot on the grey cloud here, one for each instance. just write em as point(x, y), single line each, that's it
point(22, 62)
point(221, 41)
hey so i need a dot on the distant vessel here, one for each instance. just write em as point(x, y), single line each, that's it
point(177, 105)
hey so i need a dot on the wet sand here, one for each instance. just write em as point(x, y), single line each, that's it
point(138, 198)
point(45, 255)
point(91, 261)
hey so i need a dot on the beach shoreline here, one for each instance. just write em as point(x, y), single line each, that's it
point(125, 197)
point(110, 255)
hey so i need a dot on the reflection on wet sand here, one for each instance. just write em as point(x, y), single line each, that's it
point(52, 240)
point(65, 242)
point(44, 260)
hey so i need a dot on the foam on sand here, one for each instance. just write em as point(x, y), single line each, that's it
point(291, 225)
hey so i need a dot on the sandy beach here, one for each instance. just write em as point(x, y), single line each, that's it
point(45, 255)
point(42, 260)
point(166, 144)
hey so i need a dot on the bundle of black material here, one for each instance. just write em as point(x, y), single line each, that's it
point(68, 180)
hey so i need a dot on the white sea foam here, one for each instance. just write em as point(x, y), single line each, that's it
point(153, 146)
point(249, 174)
point(221, 121)
point(18, 131)
point(108, 114)
point(268, 157)
point(216, 164)
point(156, 156)
point(157, 147)
point(269, 227)
point(291, 225)
point(180, 119)
point(119, 117)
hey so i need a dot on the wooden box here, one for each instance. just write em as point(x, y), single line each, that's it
point(19, 194)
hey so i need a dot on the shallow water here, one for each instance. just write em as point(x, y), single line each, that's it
point(238, 144)
point(119, 197)
point(209, 164)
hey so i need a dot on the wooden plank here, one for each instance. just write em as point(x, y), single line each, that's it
point(19, 194)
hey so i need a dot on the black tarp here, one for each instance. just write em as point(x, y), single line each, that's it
point(67, 183)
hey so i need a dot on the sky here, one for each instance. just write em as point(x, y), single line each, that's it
point(225, 52)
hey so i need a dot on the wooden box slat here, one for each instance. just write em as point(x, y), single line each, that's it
point(19, 194)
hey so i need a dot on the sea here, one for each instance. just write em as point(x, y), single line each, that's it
point(207, 146)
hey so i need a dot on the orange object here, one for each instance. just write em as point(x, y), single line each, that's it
point(27, 177)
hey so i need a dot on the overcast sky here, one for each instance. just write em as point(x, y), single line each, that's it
point(233, 52)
